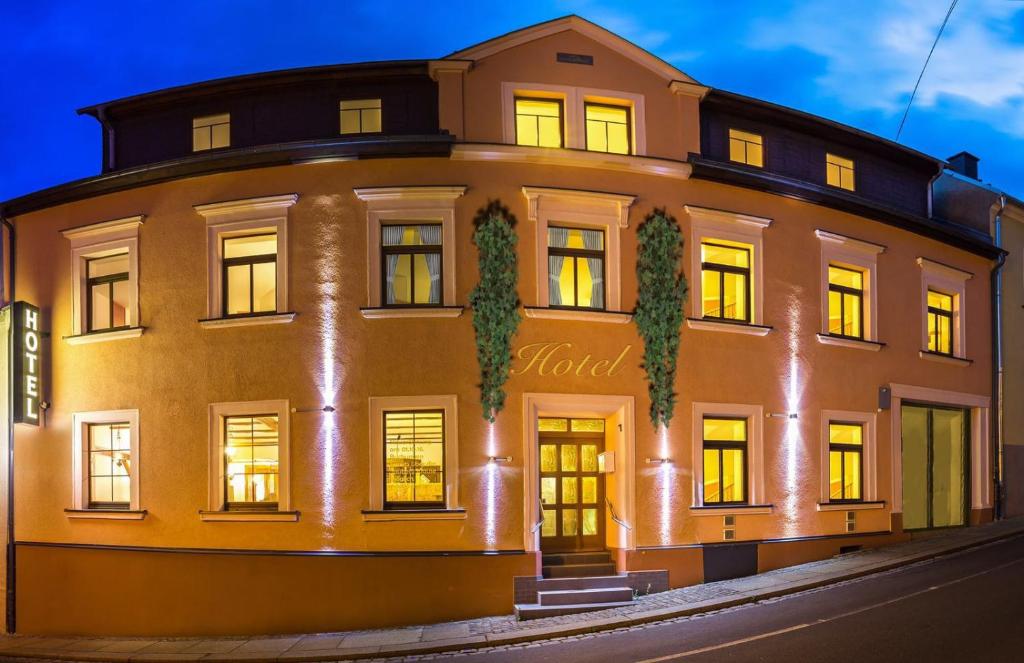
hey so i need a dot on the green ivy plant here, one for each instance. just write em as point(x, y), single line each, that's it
point(495, 303)
point(659, 309)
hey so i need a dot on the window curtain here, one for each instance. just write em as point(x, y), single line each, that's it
point(592, 241)
point(431, 235)
point(391, 236)
point(557, 238)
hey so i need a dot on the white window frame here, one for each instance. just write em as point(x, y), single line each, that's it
point(99, 240)
point(381, 404)
point(245, 217)
point(754, 414)
point(952, 281)
point(607, 212)
point(218, 412)
point(712, 224)
point(80, 422)
point(844, 251)
point(413, 204)
point(869, 463)
point(574, 130)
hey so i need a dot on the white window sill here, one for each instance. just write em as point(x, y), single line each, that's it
point(412, 514)
point(249, 516)
point(411, 312)
point(101, 336)
point(248, 320)
point(542, 313)
point(571, 157)
point(850, 506)
point(105, 514)
point(733, 510)
point(856, 344)
point(704, 324)
point(944, 359)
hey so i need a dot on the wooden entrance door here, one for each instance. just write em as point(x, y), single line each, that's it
point(571, 487)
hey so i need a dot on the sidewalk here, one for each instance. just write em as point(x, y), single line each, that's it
point(506, 630)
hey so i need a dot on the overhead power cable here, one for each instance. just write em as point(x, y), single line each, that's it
point(935, 43)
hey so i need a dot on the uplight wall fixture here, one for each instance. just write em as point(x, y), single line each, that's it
point(499, 459)
point(659, 461)
point(781, 415)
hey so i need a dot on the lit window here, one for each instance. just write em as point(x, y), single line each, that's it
point(251, 457)
point(725, 280)
point(839, 172)
point(411, 256)
point(575, 268)
point(108, 292)
point(725, 464)
point(608, 128)
point(745, 147)
point(211, 131)
point(845, 302)
point(360, 116)
point(414, 459)
point(845, 461)
point(539, 122)
point(110, 465)
point(250, 274)
point(940, 322)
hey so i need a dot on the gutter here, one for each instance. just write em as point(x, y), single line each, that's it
point(10, 598)
point(997, 359)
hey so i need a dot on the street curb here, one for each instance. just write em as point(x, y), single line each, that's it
point(503, 639)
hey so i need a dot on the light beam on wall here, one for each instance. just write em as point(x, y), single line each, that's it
point(792, 444)
point(666, 480)
point(491, 479)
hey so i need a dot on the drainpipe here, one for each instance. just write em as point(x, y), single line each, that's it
point(997, 358)
point(11, 550)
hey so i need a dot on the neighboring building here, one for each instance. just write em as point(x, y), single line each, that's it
point(263, 409)
point(960, 196)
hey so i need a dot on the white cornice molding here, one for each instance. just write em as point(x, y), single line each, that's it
point(436, 194)
point(689, 89)
point(849, 243)
point(942, 269)
point(249, 208)
point(127, 224)
point(722, 216)
point(613, 317)
point(437, 67)
point(549, 156)
point(616, 204)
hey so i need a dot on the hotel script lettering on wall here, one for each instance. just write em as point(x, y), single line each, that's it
point(557, 359)
point(27, 388)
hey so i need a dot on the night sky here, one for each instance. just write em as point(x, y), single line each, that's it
point(850, 61)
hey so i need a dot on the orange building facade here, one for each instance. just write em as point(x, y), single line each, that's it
point(259, 407)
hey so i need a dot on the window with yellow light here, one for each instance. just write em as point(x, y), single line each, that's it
point(940, 322)
point(608, 128)
point(251, 462)
point(110, 465)
point(845, 302)
point(576, 268)
point(539, 122)
point(845, 461)
point(250, 274)
point(725, 460)
point(414, 474)
point(411, 259)
point(725, 280)
point(746, 147)
point(839, 172)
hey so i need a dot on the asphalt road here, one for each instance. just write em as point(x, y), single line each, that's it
point(965, 607)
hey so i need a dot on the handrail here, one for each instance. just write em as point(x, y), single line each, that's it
point(611, 508)
point(540, 512)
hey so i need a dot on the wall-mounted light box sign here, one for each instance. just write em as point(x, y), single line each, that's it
point(28, 387)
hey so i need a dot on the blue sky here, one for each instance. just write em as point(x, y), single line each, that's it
point(848, 60)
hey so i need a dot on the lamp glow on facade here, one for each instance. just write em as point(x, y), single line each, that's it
point(666, 480)
point(792, 444)
point(491, 488)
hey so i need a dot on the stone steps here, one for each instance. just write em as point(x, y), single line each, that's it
point(535, 611)
point(573, 583)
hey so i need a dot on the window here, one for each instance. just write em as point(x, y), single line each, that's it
point(104, 271)
point(725, 280)
point(845, 302)
point(745, 147)
point(211, 131)
point(412, 259)
point(845, 461)
point(839, 172)
point(575, 267)
point(539, 122)
point(110, 465)
point(360, 116)
point(251, 467)
point(247, 261)
point(108, 292)
point(725, 464)
point(608, 128)
point(940, 322)
point(250, 274)
point(414, 459)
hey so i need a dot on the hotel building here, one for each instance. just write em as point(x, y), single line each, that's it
point(256, 404)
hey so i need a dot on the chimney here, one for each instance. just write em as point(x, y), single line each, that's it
point(964, 163)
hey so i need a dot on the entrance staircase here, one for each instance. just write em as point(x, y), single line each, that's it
point(577, 582)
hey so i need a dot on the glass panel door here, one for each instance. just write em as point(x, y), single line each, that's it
point(934, 466)
point(571, 488)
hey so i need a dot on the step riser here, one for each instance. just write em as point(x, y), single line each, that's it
point(578, 571)
point(563, 584)
point(536, 611)
point(576, 597)
point(576, 558)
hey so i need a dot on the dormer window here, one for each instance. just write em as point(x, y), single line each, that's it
point(839, 172)
point(211, 132)
point(608, 128)
point(539, 122)
point(746, 147)
point(360, 116)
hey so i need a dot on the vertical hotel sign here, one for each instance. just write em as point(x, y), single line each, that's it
point(27, 346)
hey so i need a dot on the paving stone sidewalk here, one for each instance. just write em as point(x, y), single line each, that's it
point(506, 630)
